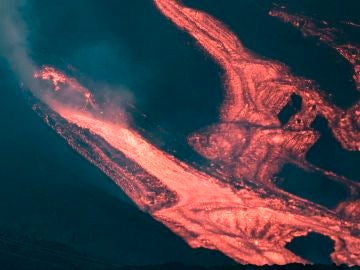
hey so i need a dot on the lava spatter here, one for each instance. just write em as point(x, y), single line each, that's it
point(253, 222)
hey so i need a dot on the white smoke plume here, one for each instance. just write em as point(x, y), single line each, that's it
point(14, 46)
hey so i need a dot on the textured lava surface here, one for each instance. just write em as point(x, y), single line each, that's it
point(328, 33)
point(235, 206)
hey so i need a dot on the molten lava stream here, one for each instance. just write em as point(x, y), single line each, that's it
point(253, 222)
point(208, 213)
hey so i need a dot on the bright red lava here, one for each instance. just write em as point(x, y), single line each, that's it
point(250, 223)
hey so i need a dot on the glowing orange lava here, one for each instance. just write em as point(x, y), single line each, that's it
point(249, 220)
point(61, 81)
point(326, 34)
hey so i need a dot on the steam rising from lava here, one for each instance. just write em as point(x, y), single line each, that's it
point(13, 44)
point(236, 209)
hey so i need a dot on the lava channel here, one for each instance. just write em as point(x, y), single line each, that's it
point(249, 219)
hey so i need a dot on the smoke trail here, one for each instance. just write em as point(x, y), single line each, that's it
point(13, 44)
point(14, 48)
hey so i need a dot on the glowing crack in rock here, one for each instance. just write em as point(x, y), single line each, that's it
point(247, 218)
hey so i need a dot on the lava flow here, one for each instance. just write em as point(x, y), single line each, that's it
point(327, 33)
point(249, 219)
